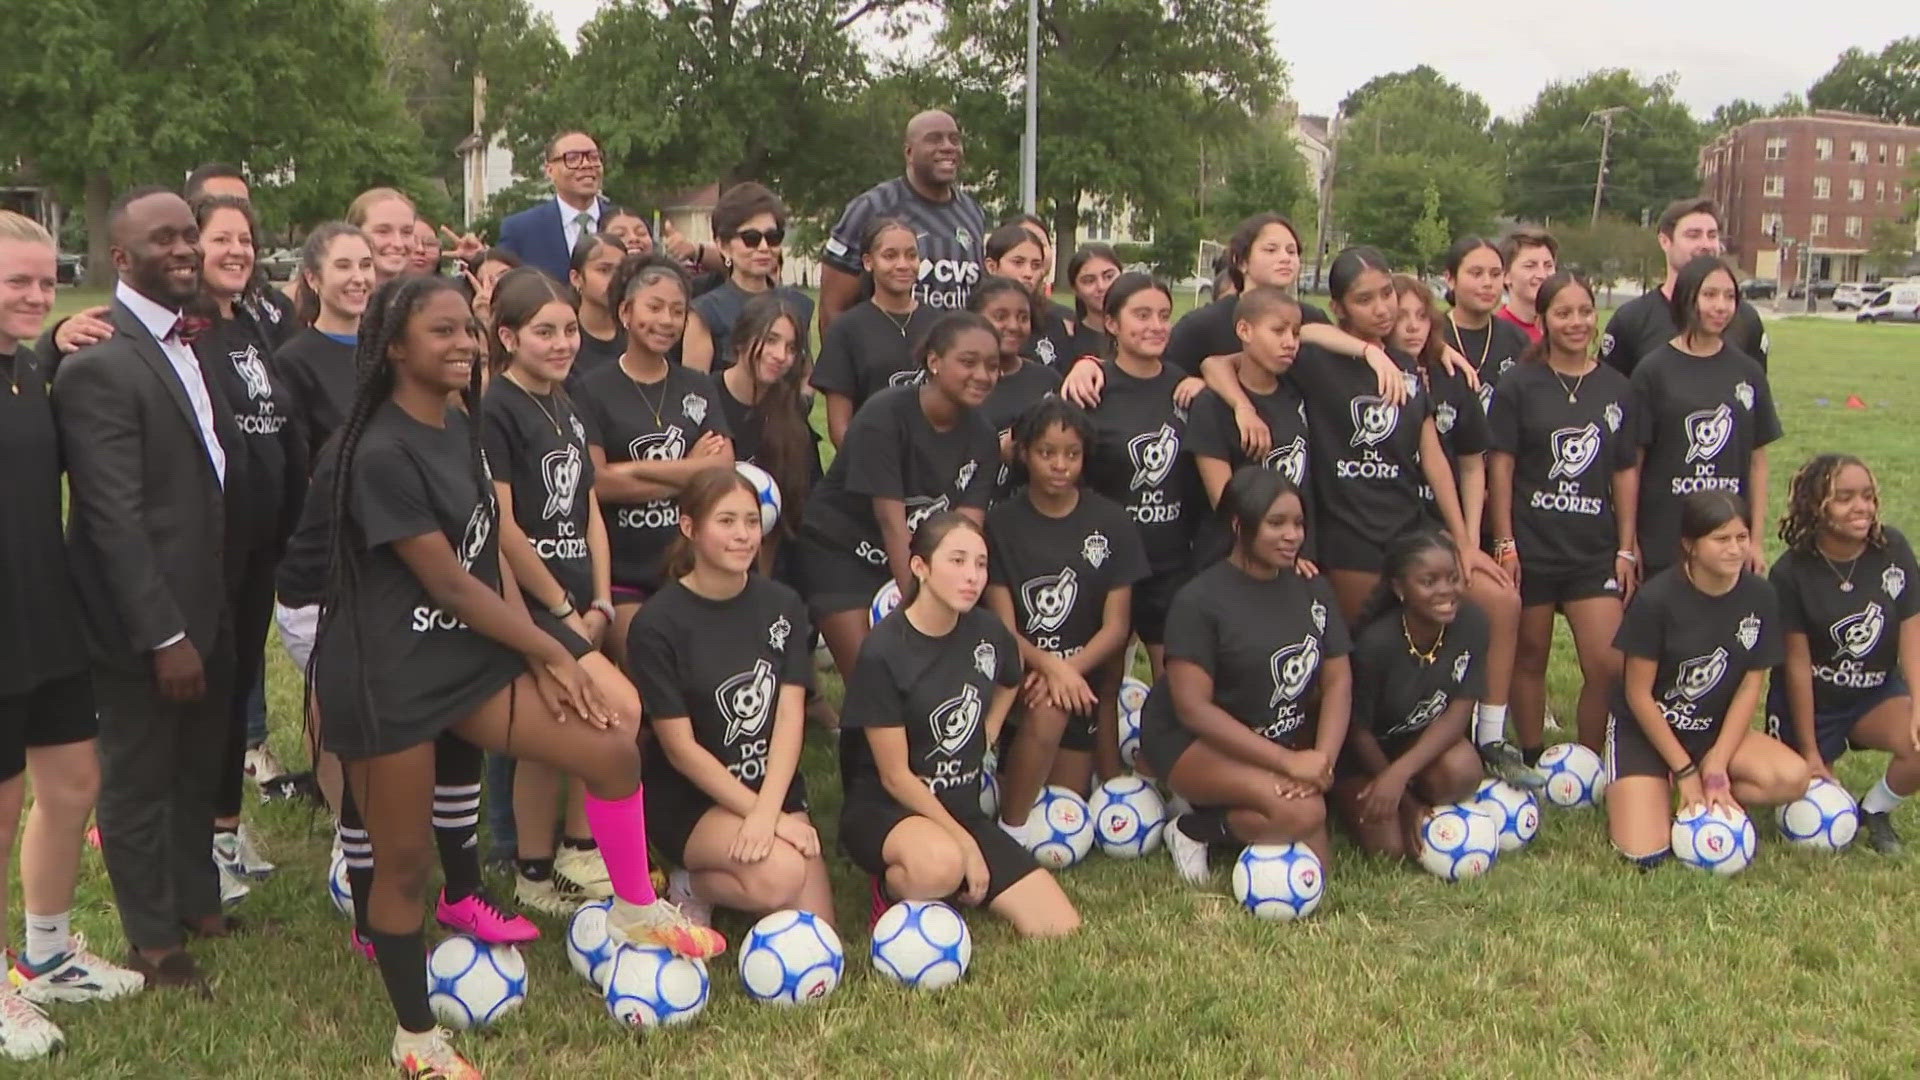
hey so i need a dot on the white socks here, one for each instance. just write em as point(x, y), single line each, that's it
point(1489, 723)
point(47, 937)
point(1880, 799)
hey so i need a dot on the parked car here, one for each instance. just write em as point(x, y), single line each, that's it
point(279, 265)
point(1901, 303)
point(1822, 289)
point(1759, 288)
point(1853, 294)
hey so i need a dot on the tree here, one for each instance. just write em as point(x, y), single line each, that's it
point(1553, 153)
point(1740, 110)
point(123, 93)
point(1372, 207)
point(1411, 137)
point(1610, 249)
point(1884, 84)
point(1429, 237)
point(1260, 171)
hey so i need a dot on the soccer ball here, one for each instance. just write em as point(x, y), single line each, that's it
point(923, 944)
point(1575, 776)
point(1133, 698)
point(1824, 819)
point(791, 957)
point(989, 794)
point(1279, 881)
point(884, 601)
point(337, 885)
point(766, 489)
point(648, 986)
point(1068, 832)
point(1458, 841)
point(472, 984)
point(1128, 817)
point(1515, 813)
point(1722, 841)
point(590, 948)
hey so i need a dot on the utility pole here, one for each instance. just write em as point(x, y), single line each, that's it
point(1030, 142)
point(1606, 143)
point(1326, 196)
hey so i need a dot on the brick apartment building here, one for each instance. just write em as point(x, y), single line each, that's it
point(1826, 180)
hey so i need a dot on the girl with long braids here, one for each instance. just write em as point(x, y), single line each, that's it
point(1849, 592)
point(426, 632)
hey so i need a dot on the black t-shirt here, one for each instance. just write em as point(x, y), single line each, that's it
point(1012, 396)
point(40, 633)
point(1645, 323)
point(1704, 645)
point(720, 664)
point(1088, 342)
point(1396, 694)
point(1565, 454)
point(1051, 343)
point(409, 479)
point(1493, 349)
point(893, 452)
point(262, 407)
point(594, 354)
point(658, 422)
point(301, 578)
point(867, 350)
point(272, 314)
point(320, 377)
point(538, 445)
point(1459, 417)
point(1264, 643)
point(720, 309)
point(1208, 330)
point(951, 236)
point(1852, 634)
point(1060, 570)
point(1363, 455)
point(940, 690)
point(1699, 419)
point(1139, 460)
point(1213, 433)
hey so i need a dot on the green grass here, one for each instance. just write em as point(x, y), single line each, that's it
point(1559, 962)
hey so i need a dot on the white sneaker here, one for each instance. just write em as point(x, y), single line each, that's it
point(549, 897)
point(430, 1056)
point(583, 870)
point(25, 1031)
point(1189, 855)
point(1028, 834)
point(251, 863)
point(78, 976)
point(680, 890)
point(226, 859)
point(261, 766)
point(663, 923)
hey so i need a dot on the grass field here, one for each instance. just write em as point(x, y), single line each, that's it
point(1560, 962)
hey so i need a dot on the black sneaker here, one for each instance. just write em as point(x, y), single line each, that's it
point(1506, 761)
point(1880, 833)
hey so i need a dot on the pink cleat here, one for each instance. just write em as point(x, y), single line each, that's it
point(476, 916)
point(363, 946)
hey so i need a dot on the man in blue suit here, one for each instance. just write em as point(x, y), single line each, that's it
point(544, 235)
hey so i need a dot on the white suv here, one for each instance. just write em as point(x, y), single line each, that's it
point(1852, 296)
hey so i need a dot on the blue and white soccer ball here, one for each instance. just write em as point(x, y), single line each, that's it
point(989, 793)
point(1515, 812)
point(338, 888)
point(1279, 881)
point(791, 957)
point(1065, 833)
point(1458, 841)
point(1575, 776)
point(1128, 817)
point(1133, 697)
point(648, 986)
point(923, 944)
point(885, 599)
point(590, 948)
point(472, 984)
point(766, 489)
point(1722, 841)
point(1824, 819)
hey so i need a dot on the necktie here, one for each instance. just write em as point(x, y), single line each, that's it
point(582, 223)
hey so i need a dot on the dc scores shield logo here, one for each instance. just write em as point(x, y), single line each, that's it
point(1373, 420)
point(1613, 415)
point(920, 508)
point(985, 660)
point(1289, 460)
point(1698, 676)
point(694, 407)
point(1708, 431)
point(1153, 454)
point(1749, 631)
point(1574, 449)
point(955, 720)
point(1461, 664)
point(560, 471)
point(1049, 600)
point(1894, 580)
point(1292, 668)
point(746, 700)
point(1857, 634)
point(1095, 549)
point(252, 372)
point(1444, 416)
point(668, 445)
point(474, 540)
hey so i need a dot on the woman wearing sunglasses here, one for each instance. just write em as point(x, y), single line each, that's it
point(751, 223)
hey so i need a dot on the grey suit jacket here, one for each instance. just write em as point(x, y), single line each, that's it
point(149, 525)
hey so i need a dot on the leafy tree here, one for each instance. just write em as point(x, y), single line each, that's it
point(1416, 111)
point(1610, 249)
point(1417, 140)
point(1553, 152)
point(1429, 237)
point(1263, 171)
point(1885, 84)
point(1740, 110)
point(1372, 207)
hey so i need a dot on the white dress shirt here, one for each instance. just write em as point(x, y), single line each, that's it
point(568, 224)
point(159, 322)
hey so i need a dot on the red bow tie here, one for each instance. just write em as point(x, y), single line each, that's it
point(188, 328)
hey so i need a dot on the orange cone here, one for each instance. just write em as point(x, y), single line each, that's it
point(1854, 402)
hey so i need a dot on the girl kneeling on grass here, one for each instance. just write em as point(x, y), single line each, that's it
point(1250, 715)
point(1419, 667)
point(1849, 593)
point(933, 684)
point(1698, 639)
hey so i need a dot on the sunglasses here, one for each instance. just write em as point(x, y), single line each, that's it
point(576, 159)
point(753, 237)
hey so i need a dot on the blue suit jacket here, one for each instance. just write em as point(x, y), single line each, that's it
point(539, 237)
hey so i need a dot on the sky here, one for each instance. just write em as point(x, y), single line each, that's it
point(1508, 52)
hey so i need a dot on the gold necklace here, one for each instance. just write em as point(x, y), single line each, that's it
point(640, 389)
point(1573, 392)
point(900, 323)
point(1846, 579)
point(535, 398)
point(1461, 341)
point(1414, 650)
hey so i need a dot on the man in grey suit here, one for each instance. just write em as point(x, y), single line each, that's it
point(151, 447)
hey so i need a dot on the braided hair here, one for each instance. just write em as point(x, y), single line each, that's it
point(1808, 493)
point(393, 305)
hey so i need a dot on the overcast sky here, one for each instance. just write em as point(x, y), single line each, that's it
point(1507, 52)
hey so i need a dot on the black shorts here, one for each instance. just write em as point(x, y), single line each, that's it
point(1566, 587)
point(1077, 736)
point(1630, 753)
point(1163, 742)
point(1831, 730)
point(1347, 765)
point(869, 816)
point(1341, 548)
point(54, 713)
point(1152, 597)
point(833, 580)
point(675, 807)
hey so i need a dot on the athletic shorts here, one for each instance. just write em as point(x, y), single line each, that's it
point(1630, 753)
point(1077, 736)
point(1831, 730)
point(54, 713)
point(869, 816)
point(298, 627)
point(1566, 587)
point(1163, 742)
point(1152, 598)
point(1347, 766)
point(674, 809)
point(834, 581)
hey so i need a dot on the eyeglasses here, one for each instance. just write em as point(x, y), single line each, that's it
point(575, 159)
point(753, 237)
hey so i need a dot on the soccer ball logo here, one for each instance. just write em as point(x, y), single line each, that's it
point(1049, 600)
point(1708, 431)
point(1153, 455)
point(1574, 449)
point(1373, 420)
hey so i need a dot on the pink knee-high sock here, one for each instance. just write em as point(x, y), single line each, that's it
point(620, 828)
